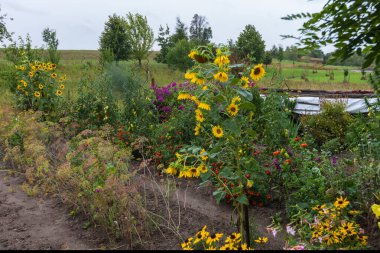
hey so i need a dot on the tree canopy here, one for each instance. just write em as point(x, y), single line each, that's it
point(4, 33)
point(350, 25)
point(199, 29)
point(250, 45)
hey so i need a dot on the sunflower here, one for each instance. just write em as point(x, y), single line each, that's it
point(24, 83)
point(221, 77)
point(214, 238)
point(22, 68)
point(235, 99)
point(39, 67)
point(183, 96)
point(53, 75)
point(37, 94)
point(195, 99)
point(197, 129)
point(262, 240)
point(205, 87)
point(189, 75)
point(341, 203)
point(221, 60)
point(233, 238)
point(244, 82)
point(184, 173)
point(203, 154)
point(40, 86)
point(257, 72)
point(62, 86)
point(192, 54)
point(53, 66)
point(199, 81)
point(217, 131)
point(204, 106)
point(232, 109)
point(58, 92)
point(31, 74)
point(199, 115)
point(376, 210)
point(171, 170)
point(19, 87)
point(194, 172)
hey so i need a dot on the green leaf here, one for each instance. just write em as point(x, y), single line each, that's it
point(232, 126)
point(219, 195)
point(247, 106)
point(242, 199)
point(246, 94)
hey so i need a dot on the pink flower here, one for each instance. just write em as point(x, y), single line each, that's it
point(290, 230)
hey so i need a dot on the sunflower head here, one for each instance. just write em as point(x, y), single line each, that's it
point(232, 109)
point(217, 131)
point(257, 72)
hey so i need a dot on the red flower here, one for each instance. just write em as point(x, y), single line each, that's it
point(297, 139)
point(267, 172)
point(276, 152)
point(288, 161)
point(304, 145)
point(269, 196)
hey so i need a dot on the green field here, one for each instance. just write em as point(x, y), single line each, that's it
point(75, 63)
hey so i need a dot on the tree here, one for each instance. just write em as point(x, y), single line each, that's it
point(199, 29)
point(180, 32)
point(291, 53)
point(50, 38)
point(267, 58)
point(140, 36)
point(280, 54)
point(274, 51)
point(164, 42)
point(177, 56)
point(4, 33)
point(350, 25)
point(114, 39)
point(250, 45)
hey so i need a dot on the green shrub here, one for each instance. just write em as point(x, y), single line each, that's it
point(177, 55)
point(331, 123)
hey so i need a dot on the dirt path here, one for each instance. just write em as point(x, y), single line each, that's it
point(35, 223)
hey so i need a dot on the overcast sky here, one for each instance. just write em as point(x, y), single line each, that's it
point(79, 23)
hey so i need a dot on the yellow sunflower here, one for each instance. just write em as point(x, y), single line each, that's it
point(171, 170)
point(233, 109)
point(244, 82)
point(202, 168)
point(205, 87)
point(19, 87)
point(40, 86)
point(221, 60)
point(37, 94)
point(31, 74)
point(199, 81)
point(221, 77)
point(235, 99)
point(197, 129)
point(62, 86)
point(189, 75)
point(257, 72)
point(341, 203)
point(199, 115)
point(204, 106)
point(53, 75)
point(193, 172)
point(217, 131)
point(192, 54)
point(58, 92)
point(184, 96)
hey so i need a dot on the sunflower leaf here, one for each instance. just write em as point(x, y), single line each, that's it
point(242, 199)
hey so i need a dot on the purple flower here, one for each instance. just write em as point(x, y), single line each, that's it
point(181, 107)
point(334, 161)
point(276, 164)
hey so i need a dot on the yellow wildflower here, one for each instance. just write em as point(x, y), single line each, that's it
point(204, 106)
point(257, 72)
point(221, 76)
point(217, 131)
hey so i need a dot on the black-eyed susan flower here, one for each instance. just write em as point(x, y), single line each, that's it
point(204, 106)
point(341, 203)
point(202, 168)
point(217, 131)
point(221, 77)
point(233, 238)
point(199, 115)
point(244, 246)
point(37, 94)
point(257, 72)
point(58, 92)
point(262, 240)
point(201, 235)
point(215, 237)
point(187, 243)
point(203, 154)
